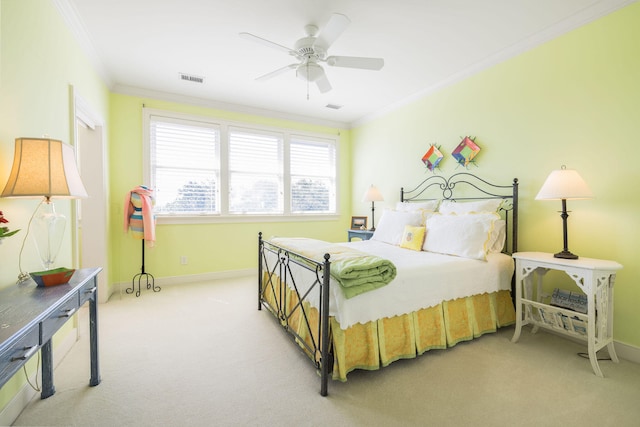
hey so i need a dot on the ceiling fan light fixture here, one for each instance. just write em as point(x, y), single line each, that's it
point(309, 72)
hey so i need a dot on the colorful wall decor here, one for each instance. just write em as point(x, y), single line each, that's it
point(466, 151)
point(432, 158)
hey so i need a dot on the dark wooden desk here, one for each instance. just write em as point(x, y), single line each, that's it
point(30, 316)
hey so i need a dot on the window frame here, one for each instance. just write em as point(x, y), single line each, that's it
point(224, 125)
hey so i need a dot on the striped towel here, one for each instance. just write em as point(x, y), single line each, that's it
point(138, 214)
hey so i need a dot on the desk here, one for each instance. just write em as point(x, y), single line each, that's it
point(594, 277)
point(361, 234)
point(30, 316)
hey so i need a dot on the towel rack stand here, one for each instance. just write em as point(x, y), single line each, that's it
point(143, 275)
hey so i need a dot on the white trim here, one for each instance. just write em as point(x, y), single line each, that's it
point(194, 278)
point(623, 350)
point(14, 408)
point(596, 10)
point(627, 351)
point(85, 113)
point(240, 218)
point(589, 14)
point(223, 126)
point(224, 106)
point(75, 25)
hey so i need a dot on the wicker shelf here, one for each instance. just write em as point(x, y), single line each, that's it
point(560, 319)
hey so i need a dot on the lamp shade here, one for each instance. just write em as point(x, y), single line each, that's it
point(564, 184)
point(372, 195)
point(44, 167)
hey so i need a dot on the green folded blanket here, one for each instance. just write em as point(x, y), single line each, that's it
point(356, 272)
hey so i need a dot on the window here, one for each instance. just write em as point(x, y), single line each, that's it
point(202, 167)
point(313, 186)
point(185, 170)
point(255, 172)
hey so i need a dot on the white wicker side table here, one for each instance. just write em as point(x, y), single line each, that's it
point(594, 277)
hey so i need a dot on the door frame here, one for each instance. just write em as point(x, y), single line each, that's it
point(82, 114)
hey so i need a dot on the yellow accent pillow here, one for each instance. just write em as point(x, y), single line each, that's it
point(412, 238)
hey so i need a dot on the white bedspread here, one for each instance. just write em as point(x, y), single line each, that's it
point(423, 280)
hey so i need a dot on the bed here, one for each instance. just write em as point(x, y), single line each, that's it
point(452, 285)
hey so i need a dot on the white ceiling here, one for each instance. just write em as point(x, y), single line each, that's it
point(141, 46)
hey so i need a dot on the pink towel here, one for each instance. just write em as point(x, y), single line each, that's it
point(141, 228)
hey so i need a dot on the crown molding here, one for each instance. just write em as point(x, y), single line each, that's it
point(236, 108)
point(589, 14)
point(75, 25)
point(592, 12)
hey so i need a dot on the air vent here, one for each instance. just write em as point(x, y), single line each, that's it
point(334, 106)
point(191, 78)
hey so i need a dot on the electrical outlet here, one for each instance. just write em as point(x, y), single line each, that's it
point(184, 260)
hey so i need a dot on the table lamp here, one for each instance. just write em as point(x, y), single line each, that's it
point(44, 168)
point(564, 184)
point(372, 195)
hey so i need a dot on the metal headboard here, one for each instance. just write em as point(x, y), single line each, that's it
point(464, 186)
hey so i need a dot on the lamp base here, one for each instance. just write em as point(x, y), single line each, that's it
point(565, 255)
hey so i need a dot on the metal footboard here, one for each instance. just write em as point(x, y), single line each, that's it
point(276, 266)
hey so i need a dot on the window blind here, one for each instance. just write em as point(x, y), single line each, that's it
point(313, 173)
point(185, 168)
point(255, 172)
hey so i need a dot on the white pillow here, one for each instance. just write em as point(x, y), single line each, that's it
point(392, 224)
point(465, 236)
point(451, 207)
point(498, 236)
point(430, 205)
point(426, 209)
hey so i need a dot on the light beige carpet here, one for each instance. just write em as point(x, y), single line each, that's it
point(203, 355)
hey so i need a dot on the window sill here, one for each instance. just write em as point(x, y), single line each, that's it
point(230, 219)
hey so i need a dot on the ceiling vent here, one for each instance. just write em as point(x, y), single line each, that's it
point(334, 106)
point(191, 78)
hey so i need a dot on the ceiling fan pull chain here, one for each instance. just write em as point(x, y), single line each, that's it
point(307, 81)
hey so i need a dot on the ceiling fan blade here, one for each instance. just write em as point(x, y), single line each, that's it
point(336, 25)
point(276, 72)
point(251, 37)
point(356, 62)
point(323, 84)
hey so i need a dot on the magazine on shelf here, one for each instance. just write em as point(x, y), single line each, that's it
point(575, 301)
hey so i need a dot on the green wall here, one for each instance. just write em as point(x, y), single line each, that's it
point(571, 101)
point(216, 247)
point(39, 61)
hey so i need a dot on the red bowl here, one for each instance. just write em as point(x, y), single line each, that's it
point(58, 276)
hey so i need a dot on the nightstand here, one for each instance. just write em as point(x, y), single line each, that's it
point(361, 234)
point(594, 277)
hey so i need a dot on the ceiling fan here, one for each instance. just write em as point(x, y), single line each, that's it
point(311, 50)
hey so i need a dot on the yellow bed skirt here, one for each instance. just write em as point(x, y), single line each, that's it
point(378, 343)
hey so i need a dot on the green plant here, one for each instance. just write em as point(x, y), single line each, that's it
point(4, 231)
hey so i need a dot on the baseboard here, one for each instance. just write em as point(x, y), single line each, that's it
point(14, 408)
point(627, 351)
point(194, 278)
point(623, 350)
